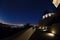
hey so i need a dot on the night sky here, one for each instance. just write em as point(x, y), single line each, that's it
point(23, 11)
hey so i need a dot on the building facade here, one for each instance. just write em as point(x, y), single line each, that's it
point(51, 21)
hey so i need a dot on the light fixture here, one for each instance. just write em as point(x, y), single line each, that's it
point(40, 27)
point(45, 28)
point(46, 15)
point(50, 34)
point(49, 14)
point(53, 32)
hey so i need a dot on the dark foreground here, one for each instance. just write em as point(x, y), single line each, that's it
point(10, 35)
point(26, 34)
point(39, 35)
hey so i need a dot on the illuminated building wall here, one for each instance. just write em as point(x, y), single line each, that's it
point(56, 2)
point(51, 20)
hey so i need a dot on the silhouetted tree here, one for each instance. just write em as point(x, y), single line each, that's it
point(27, 25)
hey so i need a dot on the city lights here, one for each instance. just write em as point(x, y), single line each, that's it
point(45, 29)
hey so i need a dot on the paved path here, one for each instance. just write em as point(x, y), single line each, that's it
point(26, 35)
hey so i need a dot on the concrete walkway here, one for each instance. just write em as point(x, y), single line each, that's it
point(26, 35)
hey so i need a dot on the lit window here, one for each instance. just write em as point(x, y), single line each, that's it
point(43, 17)
point(49, 14)
point(46, 15)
